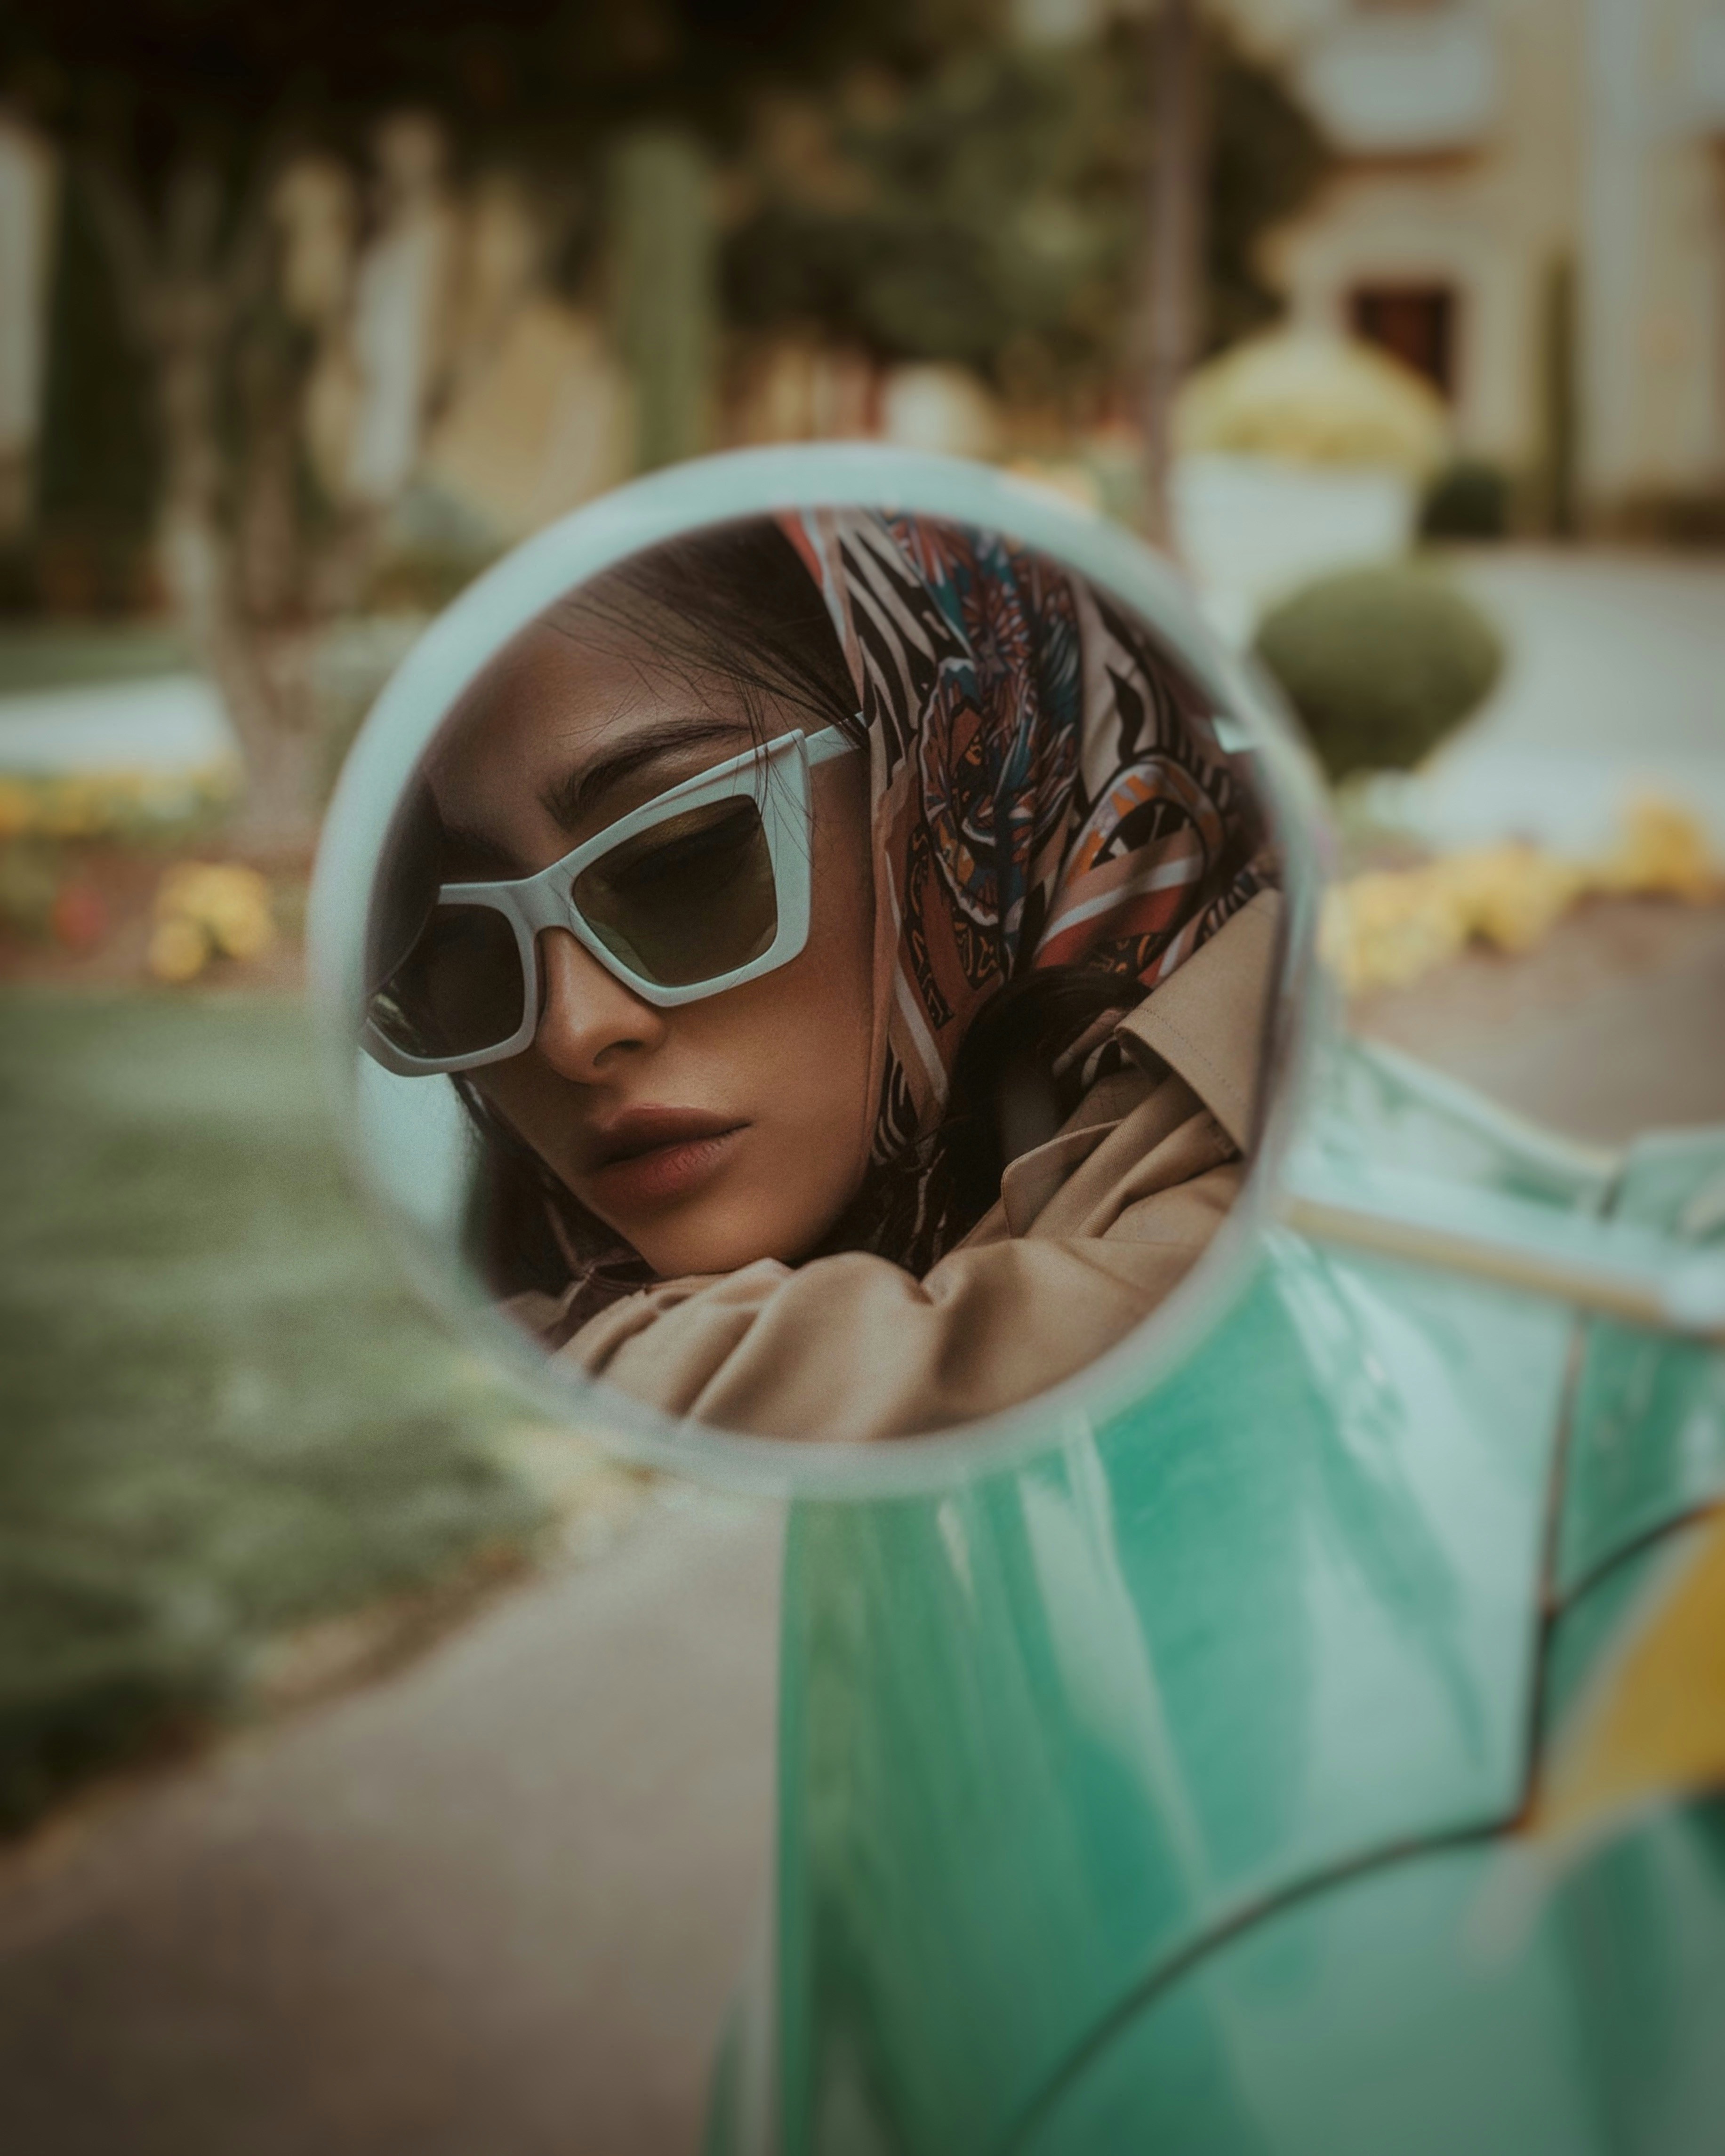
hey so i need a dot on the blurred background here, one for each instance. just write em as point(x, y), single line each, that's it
point(1401, 324)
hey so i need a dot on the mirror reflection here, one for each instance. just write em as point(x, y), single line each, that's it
point(848, 941)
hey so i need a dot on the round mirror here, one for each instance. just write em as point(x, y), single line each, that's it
point(813, 950)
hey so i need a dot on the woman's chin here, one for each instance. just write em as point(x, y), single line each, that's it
point(716, 1236)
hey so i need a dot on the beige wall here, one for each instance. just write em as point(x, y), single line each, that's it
point(1599, 139)
point(1654, 221)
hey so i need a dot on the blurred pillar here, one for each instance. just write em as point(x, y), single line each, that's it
point(400, 308)
point(665, 268)
point(1173, 282)
point(29, 174)
point(1560, 419)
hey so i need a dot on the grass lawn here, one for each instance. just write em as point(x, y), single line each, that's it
point(223, 1414)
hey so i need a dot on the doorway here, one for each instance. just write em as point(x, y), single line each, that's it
point(1415, 323)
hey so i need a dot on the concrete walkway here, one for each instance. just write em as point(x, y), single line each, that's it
point(1614, 1025)
point(495, 1907)
point(172, 726)
point(1615, 686)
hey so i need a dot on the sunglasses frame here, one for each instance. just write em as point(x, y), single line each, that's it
point(547, 899)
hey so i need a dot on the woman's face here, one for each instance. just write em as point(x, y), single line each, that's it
point(721, 1131)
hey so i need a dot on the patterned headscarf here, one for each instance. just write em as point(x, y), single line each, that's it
point(1048, 790)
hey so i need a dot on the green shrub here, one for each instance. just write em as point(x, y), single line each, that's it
point(1467, 499)
point(1380, 663)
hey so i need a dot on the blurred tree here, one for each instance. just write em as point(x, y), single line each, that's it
point(178, 117)
point(1172, 290)
point(96, 466)
point(991, 209)
point(665, 297)
point(953, 196)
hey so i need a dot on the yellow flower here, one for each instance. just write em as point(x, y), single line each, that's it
point(1663, 851)
point(1511, 896)
point(1384, 930)
point(1313, 399)
point(17, 809)
point(228, 903)
point(178, 951)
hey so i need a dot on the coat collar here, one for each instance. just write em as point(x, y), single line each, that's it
point(1206, 1023)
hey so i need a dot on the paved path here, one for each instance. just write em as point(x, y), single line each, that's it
point(169, 727)
point(1614, 1025)
point(493, 1908)
point(1615, 685)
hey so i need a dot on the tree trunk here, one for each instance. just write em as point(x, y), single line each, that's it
point(1173, 304)
point(258, 655)
point(235, 602)
point(665, 272)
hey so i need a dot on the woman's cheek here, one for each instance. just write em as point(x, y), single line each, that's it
point(534, 1102)
point(821, 1155)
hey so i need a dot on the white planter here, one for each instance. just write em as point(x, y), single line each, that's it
point(1251, 529)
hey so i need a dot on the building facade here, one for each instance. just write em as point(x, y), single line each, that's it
point(1530, 208)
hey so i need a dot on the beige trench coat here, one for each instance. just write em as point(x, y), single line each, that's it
point(1092, 1231)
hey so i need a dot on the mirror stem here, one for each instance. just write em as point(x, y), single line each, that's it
point(1610, 1269)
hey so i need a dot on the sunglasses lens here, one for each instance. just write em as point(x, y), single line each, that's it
point(460, 988)
point(689, 901)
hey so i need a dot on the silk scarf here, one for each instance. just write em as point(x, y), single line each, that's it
point(1047, 785)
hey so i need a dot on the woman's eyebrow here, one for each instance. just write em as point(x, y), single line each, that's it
point(572, 799)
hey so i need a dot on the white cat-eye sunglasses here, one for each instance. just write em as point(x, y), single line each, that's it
point(702, 888)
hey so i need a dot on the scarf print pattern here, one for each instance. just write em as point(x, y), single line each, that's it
point(1048, 790)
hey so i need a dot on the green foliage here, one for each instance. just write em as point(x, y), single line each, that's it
point(224, 1412)
point(1266, 160)
point(537, 81)
point(1380, 663)
point(660, 184)
point(973, 210)
point(990, 212)
point(97, 464)
point(29, 882)
point(1468, 500)
point(186, 108)
point(1560, 393)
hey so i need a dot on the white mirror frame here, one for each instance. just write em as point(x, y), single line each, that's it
point(759, 482)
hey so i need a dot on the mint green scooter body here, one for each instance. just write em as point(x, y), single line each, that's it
point(1159, 1793)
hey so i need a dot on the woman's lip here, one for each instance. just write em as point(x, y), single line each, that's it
point(653, 1155)
point(638, 1130)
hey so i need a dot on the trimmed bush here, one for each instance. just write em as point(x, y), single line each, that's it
point(1468, 500)
point(1380, 663)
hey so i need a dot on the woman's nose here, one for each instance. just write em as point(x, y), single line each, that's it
point(589, 1018)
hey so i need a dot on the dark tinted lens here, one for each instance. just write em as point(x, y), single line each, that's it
point(687, 900)
point(459, 990)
